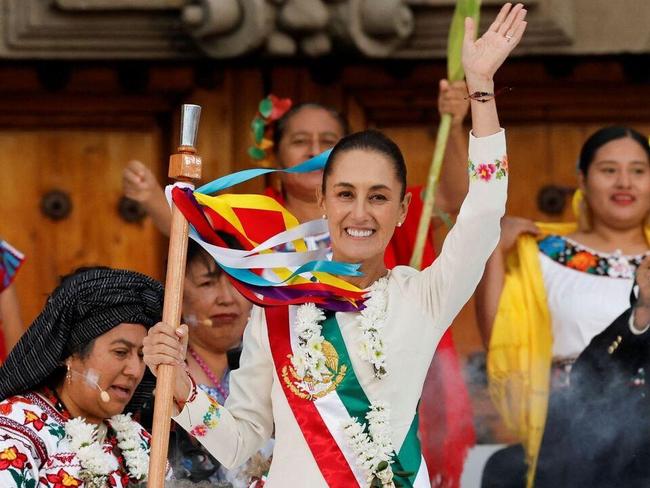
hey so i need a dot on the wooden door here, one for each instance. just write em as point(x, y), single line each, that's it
point(86, 165)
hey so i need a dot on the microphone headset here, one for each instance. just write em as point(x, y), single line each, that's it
point(91, 377)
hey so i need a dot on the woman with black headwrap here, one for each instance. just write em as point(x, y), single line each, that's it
point(66, 383)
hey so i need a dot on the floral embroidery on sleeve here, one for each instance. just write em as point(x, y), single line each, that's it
point(497, 169)
point(210, 419)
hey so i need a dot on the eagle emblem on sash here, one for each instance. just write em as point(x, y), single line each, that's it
point(307, 387)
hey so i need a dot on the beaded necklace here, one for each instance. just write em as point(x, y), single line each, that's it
point(208, 372)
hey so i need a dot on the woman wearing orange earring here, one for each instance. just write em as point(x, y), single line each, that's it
point(549, 289)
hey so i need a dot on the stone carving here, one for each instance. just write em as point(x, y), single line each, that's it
point(182, 29)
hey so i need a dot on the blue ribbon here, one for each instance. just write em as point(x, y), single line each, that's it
point(247, 276)
point(314, 164)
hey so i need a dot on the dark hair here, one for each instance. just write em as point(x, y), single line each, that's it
point(601, 137)
point(369, 140)
point(196, 253)
point(281, 123)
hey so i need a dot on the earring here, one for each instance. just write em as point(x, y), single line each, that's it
point(324, 217)
point(399, 224)
point(68, 374)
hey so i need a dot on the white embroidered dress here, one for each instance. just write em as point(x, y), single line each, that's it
point(34, 450)
point(421, 306)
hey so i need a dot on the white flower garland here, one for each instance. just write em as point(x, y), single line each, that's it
point(372, 321)
point(135, 451)
point(372, 444)
point(308, 358)
point(97, 464)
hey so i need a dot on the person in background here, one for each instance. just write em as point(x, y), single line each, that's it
point(608, 438)
point(65, 385)
point(217, 315)
point(549, 289)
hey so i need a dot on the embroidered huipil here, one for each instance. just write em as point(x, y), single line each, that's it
point(34, 451)
point(586, 290)
point(421, 306)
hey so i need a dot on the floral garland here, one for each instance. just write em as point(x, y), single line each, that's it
point(134, 449)
point(372, 445)
point(97, 464)
point(372, 321)
point(308, 358)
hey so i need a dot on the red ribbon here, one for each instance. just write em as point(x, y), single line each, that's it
point(331, 462)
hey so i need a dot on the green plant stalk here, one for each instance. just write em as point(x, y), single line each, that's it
point(430, 190)
point(464, 8)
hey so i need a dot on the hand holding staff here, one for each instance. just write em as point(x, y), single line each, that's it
point(184, 166)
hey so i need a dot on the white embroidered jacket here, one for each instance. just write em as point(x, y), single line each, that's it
point(34, 451)
point(421, 305)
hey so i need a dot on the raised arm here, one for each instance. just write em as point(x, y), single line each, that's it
point(453, 183)
point(482, 58)
point(445, 287)
point(140, 184)
point(488, 291)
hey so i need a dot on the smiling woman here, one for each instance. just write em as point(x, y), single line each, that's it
point(66, 383)
point(562, 285)
point(341, 390)
point(363, 197)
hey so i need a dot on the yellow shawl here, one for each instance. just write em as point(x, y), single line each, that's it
point(519, 359)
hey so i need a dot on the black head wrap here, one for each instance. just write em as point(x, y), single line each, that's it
point(87, 304)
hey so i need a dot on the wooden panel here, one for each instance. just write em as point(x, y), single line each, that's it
point(87, 166)
point(417, 144)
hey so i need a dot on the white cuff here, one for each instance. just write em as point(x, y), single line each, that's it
point(633, 329)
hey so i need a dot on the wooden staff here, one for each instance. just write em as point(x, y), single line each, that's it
point(464, 8)
point(184, 166)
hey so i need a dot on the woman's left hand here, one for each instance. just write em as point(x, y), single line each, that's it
point(482, 57)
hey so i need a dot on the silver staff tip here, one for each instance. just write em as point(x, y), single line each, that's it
point(190, 115)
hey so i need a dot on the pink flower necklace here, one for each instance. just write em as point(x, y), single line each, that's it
point(208, 372)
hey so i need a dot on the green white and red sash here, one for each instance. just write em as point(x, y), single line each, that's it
point(321, 419)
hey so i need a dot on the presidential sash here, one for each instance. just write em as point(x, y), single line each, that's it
point(322, 409)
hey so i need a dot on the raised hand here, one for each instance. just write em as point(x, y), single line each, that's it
point(138, 182)
point(483, 56)
point(452, 99)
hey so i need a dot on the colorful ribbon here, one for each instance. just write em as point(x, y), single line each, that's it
point(10, 261)
point(261, 226)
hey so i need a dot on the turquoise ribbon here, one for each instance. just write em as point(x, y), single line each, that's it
point(247, 276)
point(314, 164)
